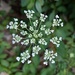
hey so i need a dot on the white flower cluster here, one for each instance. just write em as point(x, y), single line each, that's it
point(43, 28)
point(16, 38)
point(48, 31)
point(35, 36)
point(35, 23)
point(42, 41)
point(43, 17)
point(57, 21)
point(24, 57)
point(49, 56)
point(13, 25)
point(29, 13)
point(56, 41)
point(23, 32)
point(23, 24)
point(36, 49)
point(25, 42)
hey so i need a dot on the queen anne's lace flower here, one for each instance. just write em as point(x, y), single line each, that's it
point(23, 32)
point(35, 23)
point(16, 38)
point(49, 56)
point(32, 41)
point(24, 57)
point(43, 17)
point(30, 36)
point(42, 41)
point(25, 42)
point(23, 24)
point(29, 13)
point(56, 41)
point(36, 36)
point(43, 27)
point(13, 25)
point(35, 50)
point(40, 35)
point(35, 32)
point(48, 31)
point(57, 21)
point(31, 28)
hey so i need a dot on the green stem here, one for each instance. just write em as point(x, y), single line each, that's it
point(39, 25)
point(30, 22)
point(28, 30)
point(19, 29)
point(29, 48)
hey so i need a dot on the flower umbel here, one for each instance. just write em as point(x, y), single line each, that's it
point(13, 25)
point(49, 55)
point(57, 21)
point(36, 36)
point(56, 41)
point(29, 13)
point(16, 38)
point(36, 49)
point(24, 57)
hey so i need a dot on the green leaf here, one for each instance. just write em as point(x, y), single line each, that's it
point(32, 69)
point(1, 35)
point(2, 13)
point(44, 8)
point(62, 65)
point(69, 73)
point(36, 61)
point(61, 50)
point(19, 73)
point(30, 5)
point(1, 69)
point(47, 71)
point(69, 26)
point(38, 6)
point(4, 69)
point(3, 46)
point(24, 2)
point(63, 72)
point(5, 63)
point(51, 16)
point(61, 9)
point(14, 69)
point(44, 71)
point(13, 65)
point(48, 24)
point(61, 32)
point(2, 56)
point(41, 2)
point(26, 68)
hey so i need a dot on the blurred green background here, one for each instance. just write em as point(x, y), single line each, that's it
point(66, 52)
